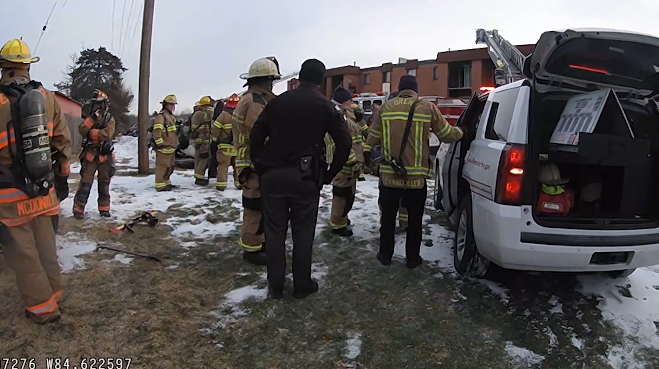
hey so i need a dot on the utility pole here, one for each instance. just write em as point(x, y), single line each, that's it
point(143, 94)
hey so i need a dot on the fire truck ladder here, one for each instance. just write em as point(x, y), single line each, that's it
point(508, 60)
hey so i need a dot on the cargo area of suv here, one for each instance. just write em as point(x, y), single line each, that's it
point(594, 121)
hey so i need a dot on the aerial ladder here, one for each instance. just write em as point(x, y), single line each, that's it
point(508, 60)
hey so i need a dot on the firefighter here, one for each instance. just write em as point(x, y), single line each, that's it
point(200, 133)
point(375, 108)
point(260, 77)
point(359, 118)
point(96, 156)
point(344, 185)
point(166, 141)
point(292, 172)
point(33, 182)
point(223, 139)
point(405, 166)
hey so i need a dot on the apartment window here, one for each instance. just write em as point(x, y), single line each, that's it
point(411, 72)
point(386, 77)
point(367, 79)
point(435, 73)
point(465, 76)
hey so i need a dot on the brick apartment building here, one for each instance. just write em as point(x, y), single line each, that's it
point(452, 74)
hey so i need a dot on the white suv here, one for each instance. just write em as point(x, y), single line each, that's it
point(488, 186)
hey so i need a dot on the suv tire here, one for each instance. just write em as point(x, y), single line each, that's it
point(621, 273)
point(437, 191)
point(467, 261)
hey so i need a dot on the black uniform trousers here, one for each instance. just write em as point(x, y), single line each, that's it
point(286, 197)
point(415, 202)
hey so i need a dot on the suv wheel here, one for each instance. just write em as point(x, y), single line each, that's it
point(437, 192)
point(467, 260)
point(621, 273)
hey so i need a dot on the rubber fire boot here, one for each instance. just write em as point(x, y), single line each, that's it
point(54, 319)
point(256, 258)
point(300, 294)
point(343, 232)
point(201, 182)
point(105, 214)
point(79, 216)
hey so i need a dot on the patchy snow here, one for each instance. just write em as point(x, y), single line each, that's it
point(497, 289)
point(631, 304)
point(553, 340)
point(523, 358)
point(230, 311)
point(557, 307)
point(576, 342)
point(125, 150)
point(69, 247)
point(353, 346)
point(123, 259)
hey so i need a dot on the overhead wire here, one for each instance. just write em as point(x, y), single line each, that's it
point(140, 16)
point(121, 30)
point(112, 24)
point(43, 30)
point(126, 33)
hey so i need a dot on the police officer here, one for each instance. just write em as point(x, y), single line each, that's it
point(406, 164)
point(260, 77)
point(96, 156)
point(29, 211)
point(292, 171)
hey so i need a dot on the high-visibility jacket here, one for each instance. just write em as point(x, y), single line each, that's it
point(16, 208)
point(356, 157)
point(244, 116)
point(388, 129)
point(164, 132)
point(221, 132)
point(94, 132)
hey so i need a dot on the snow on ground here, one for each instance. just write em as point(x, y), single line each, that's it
point(353, 346)
point(125, 150)
point(69, 247)
point(231, 311)
point(631, 304)
point(523, 358)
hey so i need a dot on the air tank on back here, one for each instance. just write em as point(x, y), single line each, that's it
point(36, 141)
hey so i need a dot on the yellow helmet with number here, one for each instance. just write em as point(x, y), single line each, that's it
point(262, 67)
point(169, 99)
point(17, 51)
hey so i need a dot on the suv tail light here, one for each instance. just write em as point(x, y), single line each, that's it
point(510, 175)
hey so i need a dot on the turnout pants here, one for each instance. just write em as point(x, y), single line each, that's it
point(251, 232)
point(343, 197)
point(201, 158)
point(414, 201)
point(164, 169)
point(30, 251)
point(223, 163)
point(87, 172)
point(286, 197)
point(212, 162)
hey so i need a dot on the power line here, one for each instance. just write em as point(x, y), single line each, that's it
point(137, 23)
point(112, 37)
point(121, 30)
point(43, 30)
point(126, 34)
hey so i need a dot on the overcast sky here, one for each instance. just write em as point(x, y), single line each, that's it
point(200, 47)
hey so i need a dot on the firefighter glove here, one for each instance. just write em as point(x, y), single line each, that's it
point(62, 187)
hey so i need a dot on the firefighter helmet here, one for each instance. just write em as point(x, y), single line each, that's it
point(169, 99)
point(262, 67)
point(206, 100)
point(551, 175)
point(17, 51)
point(99, 96)
point(232, 102)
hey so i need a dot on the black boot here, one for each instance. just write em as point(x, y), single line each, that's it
point(275, 293)
point(414, 262)
point(51, 320)
point(201, 182)
point(105, 214)
point(79, 216)
point(302, 293)
point(383, 260)
point(165, 189)
point(343, 232)
point(256, 258)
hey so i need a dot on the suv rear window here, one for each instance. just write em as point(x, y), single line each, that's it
point(619, 63)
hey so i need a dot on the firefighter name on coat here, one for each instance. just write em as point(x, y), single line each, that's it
point(478, 163)
point(33, 206)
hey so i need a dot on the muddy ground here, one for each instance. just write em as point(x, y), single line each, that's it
point(175, 314)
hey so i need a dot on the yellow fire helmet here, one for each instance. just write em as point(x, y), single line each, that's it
point(206, 100)
point(170, 99)
point(262, 67)
point(17, 51)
